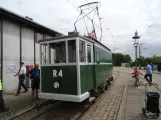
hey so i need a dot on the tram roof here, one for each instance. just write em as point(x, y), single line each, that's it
point(73, 36)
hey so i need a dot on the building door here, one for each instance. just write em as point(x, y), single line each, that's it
point(90, 66)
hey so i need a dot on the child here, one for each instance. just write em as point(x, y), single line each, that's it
point(136, 74)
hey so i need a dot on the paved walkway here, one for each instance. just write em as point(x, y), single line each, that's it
point(133, 106)
point(107, 108)
point(120, 102)
point(17, 102)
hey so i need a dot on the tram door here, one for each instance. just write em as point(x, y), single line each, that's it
point(90, 66)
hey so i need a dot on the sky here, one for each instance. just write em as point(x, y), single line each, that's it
point(120, 20)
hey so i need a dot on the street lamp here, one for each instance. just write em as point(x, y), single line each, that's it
point(136, 44)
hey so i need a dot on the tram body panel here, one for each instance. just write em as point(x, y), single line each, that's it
point(87, 77)
point(59, 79)
point(103, 65)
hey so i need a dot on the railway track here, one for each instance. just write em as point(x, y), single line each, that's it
point(15, 113)
point(49, 109)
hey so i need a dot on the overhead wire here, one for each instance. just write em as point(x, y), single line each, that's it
point(150, 26)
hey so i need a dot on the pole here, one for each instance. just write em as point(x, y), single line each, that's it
point(140, 50)
point(136, 62)
point(136, 44)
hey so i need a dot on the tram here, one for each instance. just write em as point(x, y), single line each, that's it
point(74, 68)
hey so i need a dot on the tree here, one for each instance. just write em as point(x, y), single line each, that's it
point(119, 58)
point(127, 58)
point(141, 61)
point(156, 59)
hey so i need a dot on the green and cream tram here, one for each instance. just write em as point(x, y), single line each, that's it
point(74, 68)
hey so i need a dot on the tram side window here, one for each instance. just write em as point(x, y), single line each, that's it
point(82, 57)
point(97, 56)
point(89, 53)
point(72, 51)
point(57, 52)
point(44, 57)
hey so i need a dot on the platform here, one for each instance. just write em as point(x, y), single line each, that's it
point(122, 101)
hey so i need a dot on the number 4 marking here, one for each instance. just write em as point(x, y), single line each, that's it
point(60, 73)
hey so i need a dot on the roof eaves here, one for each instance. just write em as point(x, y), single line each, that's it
point(3, 10)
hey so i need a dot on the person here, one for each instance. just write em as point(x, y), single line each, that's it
point(151, 66)
point(136, 74)
point(21, 73)
point(35, 80)
point(148, 73)
point(3, 107)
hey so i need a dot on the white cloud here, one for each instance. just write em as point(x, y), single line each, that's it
point(123, 17)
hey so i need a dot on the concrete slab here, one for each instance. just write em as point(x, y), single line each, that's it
point(17, 102)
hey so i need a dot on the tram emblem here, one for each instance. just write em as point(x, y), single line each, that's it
point(56, 85)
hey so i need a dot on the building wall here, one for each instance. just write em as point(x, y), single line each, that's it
point(39, 36)
point(27, 46)
point(11, 54)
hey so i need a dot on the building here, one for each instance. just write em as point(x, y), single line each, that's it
point(19, 42)
point(125, 64)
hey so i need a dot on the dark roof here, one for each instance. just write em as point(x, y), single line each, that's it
point(22, 19)
point(76, 35)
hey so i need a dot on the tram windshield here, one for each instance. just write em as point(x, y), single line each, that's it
point(71, 51)
point(62, 52)
point(44, 57)
point(57, 52)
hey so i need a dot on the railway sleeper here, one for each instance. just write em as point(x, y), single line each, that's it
point(40, 105)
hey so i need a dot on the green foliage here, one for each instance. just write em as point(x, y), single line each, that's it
point(142, 61)
point(119, 58)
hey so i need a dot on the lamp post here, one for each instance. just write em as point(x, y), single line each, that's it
point(136, 44)
point(140, 49)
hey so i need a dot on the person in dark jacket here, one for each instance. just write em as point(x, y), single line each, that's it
point(35, 80)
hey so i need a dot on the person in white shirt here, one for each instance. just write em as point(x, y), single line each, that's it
point(21, 73)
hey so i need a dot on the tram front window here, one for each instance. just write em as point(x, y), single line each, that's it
point(72, 51)
point(44, 57)
point(57, 52)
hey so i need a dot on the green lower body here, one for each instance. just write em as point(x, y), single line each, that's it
point(92, 76)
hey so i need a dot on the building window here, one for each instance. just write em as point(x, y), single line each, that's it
point(57, 52)
point(72, 51)
point(89, 53)
point(82, 57)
